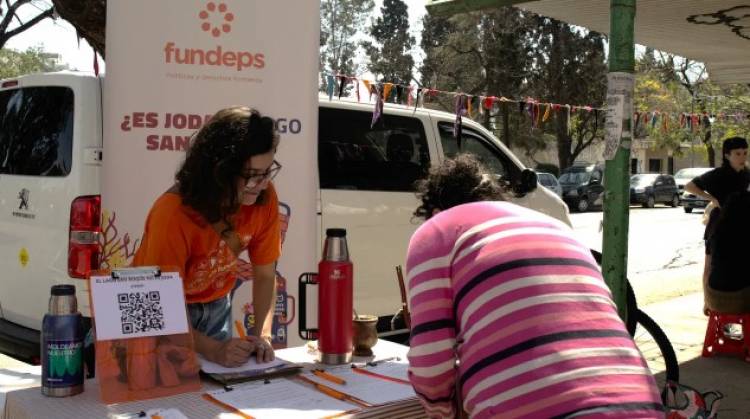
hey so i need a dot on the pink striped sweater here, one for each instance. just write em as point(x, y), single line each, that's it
point(508, 306)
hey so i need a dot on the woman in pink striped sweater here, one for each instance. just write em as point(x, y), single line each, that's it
point(511, 310)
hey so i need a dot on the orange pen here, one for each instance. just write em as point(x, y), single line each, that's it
point(334, 393)
point(240, 329)
point(330, 377)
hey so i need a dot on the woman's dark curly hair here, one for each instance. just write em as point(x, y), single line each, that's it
point(207, 180)
point(456, 181)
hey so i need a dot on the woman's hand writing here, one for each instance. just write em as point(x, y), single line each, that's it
point(235, 352)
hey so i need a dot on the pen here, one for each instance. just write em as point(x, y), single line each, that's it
point(374, 363)
point(240, 329)
point(330, 377)
point(363, 371)
point(334, 393)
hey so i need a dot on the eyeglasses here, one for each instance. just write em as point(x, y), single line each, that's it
point(258, 178)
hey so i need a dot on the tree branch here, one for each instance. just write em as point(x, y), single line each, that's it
point(12, 8)
point(7, 35)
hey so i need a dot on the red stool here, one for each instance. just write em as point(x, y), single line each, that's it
point(717, 342)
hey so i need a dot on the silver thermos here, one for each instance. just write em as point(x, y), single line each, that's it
point(62, 344)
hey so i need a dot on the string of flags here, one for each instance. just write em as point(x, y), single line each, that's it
point(465, 105)
point(538, 112)
point(685, 120)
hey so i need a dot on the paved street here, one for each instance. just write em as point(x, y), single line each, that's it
point(665, 251)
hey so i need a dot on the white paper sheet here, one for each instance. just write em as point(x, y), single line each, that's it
point(372, 390)
point(251, 365)
point(282, 399)
point(138, 305)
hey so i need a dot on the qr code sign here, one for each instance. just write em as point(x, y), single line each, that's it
point(140, 312)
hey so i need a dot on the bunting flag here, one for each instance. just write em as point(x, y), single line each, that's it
point(387, 91)
point(537, 111)
point(458, 124)
point(356, 88)
point(378, 111)
point(342, 84)
point(489, 102)
point(329, 86)
point(546, 116)
point(368, 86)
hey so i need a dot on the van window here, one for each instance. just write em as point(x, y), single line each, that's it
point(36, 131)
point(474, 143)
point(389, 157)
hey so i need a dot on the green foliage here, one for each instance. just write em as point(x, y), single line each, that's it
point(340, 24)
point(391, 54)
point(664, 86)
point(16, 63)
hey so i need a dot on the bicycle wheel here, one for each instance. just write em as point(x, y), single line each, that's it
point(656, 349)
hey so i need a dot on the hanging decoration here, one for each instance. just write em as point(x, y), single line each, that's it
point(460, 107)
point(538, 112)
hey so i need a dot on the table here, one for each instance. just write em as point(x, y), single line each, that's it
point(30, 403)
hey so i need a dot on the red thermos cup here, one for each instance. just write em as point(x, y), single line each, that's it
point(335, 277)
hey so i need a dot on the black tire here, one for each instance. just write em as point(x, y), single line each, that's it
point(675, 201)
point(650, 202)
point(688, 210)
point(649, 337)
point(656, 349)
point(583, 204)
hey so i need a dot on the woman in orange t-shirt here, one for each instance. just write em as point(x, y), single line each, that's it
point(223, 202)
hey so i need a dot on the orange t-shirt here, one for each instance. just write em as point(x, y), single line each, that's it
point(176, 235)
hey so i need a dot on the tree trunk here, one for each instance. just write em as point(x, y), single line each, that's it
point(88, 17)
point(506, 125)
point(710, 152)
point(564, 142)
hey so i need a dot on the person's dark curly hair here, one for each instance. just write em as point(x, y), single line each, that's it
point(456, 181)
point(207, 180)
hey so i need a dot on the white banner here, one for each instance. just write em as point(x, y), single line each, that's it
point(171, 64)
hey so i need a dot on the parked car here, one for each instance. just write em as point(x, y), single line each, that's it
point(688, 200)
point(583, 186)
point(651, 188)
point(51, 165)
point(549, 181)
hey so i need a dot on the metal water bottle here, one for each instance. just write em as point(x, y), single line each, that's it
point(62, 344)
point(335, 277)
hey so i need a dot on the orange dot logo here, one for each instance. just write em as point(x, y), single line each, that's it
point(216, 19)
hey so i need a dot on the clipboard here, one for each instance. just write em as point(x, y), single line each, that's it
point(232, 378)
point(144, 347)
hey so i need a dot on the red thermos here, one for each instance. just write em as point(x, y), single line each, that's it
point(335, 277)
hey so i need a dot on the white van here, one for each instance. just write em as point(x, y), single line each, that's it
point(51, 162)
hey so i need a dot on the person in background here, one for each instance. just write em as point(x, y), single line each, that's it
point(223, 202)
point(716, 186)
point(728, 289)
point(510, 316)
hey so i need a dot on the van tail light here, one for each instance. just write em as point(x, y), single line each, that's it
point(84, 250)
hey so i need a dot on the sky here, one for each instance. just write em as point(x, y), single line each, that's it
point(59, 36)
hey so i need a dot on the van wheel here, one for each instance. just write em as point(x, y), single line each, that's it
point(675, 201)
point(650, 202)
point(583, 204)
point(688, 210)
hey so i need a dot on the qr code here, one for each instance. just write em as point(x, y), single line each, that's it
point(140, 312)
